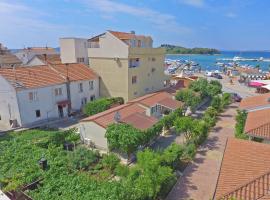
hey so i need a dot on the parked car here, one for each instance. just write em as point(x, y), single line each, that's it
point(208, 74)
point(218, 76)
point(236, 97)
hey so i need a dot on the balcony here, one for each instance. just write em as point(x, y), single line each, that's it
point(93, 45)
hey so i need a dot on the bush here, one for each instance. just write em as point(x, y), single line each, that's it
point(121, 170)
point(101, 105)
point(216, 103)
point(82, 158)
point(189, 97)
point(240, 124)
point(172, 154)
point(226, 100)
point(110, 161)
point(189, 151)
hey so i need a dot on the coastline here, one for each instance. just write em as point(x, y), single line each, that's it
point(193, 54)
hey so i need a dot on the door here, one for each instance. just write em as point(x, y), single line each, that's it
point(60, 111)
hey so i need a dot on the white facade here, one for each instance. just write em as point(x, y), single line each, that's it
point(9, 109)
point(31, 106)
point(35, 61)
point(73, 50)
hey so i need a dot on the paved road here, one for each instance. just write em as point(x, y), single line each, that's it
point(199, 178)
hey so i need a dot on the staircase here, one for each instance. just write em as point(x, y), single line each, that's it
point(255, 189)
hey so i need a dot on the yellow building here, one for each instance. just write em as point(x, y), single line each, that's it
point(127, 63)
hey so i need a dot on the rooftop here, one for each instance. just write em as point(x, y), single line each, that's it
point(256, 101)
point(134, 112)
point(50, 58)
point(243, 162)
point(46, 75)
point(258, 124)
point(127, 36)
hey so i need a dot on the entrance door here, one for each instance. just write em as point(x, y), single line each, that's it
point(60, 111)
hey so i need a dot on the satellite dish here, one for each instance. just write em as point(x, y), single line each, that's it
point(117, 117)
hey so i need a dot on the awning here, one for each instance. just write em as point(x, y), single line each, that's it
point(266, 87)
point(255, 84)
point(63, 103)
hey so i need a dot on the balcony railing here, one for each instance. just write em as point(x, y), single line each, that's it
point(93, 45)
point(252, 190)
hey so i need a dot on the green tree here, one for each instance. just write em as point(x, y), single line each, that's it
point(185, 125)
point(110, 161)
point(216, 103)
point(124, 137)
point(189, 97)
point(240, 124)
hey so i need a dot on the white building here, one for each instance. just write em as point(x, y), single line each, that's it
point(26, 54)
point(44, 60)
point(74, 50)
point(31, 95)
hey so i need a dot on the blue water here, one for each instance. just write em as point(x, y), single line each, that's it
point(207, 62)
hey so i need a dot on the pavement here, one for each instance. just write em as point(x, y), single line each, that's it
point(200, 177)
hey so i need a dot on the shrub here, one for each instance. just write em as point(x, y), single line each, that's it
point(172, 154)
point(226, 99)
point(82, 158)
point(189, 151)
point(101, 105)
point(110, 161)
point(240, 124)
point(216, 103)
point(121, 170)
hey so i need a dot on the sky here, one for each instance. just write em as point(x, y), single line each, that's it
point(221, 24)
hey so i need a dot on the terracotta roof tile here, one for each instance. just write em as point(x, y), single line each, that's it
point(256, 101)
point(243, 161)
point(45, 75)
point(152, 99)
point(171, 103)
point(50, 58)
point(106, 118)
point(126, 36)
point(140, 121)
point(258, 124)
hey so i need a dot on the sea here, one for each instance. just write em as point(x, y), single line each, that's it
point(208, 62)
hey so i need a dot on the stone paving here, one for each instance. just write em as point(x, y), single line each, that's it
point(199, 178)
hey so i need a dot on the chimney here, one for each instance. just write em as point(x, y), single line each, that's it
point(45, 57)
point(132, 32)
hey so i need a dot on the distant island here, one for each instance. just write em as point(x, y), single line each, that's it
point(172, 49)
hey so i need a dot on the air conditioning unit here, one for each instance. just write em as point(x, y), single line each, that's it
point(87, 141)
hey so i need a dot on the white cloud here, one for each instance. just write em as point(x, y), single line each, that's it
point(231, 15)
point(195, 3)
point(158, 19)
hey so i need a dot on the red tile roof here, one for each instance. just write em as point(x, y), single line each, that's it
point(46, 75)
point(140, 121)
point(126, 36)
point(258, 124)
point(106, 118)
point(152, 99)
point(243, 161)
point(256, 101)
point(134, 112)
point(171, 103)
point(50, 58)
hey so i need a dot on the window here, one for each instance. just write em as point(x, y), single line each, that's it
point(32, 96)
point(134, 79)
point(134, 62)
point(153, 59)
point(58, 91)
point(91, 85)
point(135, 93)
point(84, 101)
point(92, 98)
point(80, 60)
point(153, 70)
point(139, 43)
point(80, 87)
point(38, 113)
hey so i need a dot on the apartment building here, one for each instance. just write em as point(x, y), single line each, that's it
point(127, 63)
point(7, 59)
point(31, 95)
